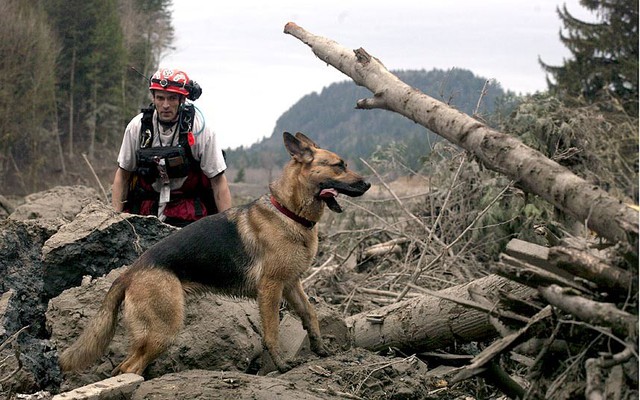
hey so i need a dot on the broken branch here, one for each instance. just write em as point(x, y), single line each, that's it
point(593, 312)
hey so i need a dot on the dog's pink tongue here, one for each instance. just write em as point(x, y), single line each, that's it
point(329, 193)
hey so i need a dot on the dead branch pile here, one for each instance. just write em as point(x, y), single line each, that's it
point(567, 322)
point(417, 290)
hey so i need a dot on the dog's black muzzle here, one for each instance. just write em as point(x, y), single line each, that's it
point(329, 191)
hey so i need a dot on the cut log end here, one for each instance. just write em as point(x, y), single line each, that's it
point(290, 27)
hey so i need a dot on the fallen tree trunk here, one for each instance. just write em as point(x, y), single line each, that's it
point(534, 172)
point(431, 322)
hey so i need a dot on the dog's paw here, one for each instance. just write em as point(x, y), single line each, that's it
point(280, 363)
point(283, 366)
point(320, 349)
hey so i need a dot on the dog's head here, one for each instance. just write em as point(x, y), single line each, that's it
point(325, 172)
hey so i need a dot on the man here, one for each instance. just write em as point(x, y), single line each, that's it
point(170, 163)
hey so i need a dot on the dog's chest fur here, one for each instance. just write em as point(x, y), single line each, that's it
point(286, 248)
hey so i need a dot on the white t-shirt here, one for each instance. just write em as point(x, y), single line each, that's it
point(205, 149)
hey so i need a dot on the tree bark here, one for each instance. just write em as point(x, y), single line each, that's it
point(621, 322)
point(92, 121)
point(56, 132)
point(428, 322)
point(71, 102)
point(535, 173)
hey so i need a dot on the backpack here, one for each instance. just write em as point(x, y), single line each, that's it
point(194, 199)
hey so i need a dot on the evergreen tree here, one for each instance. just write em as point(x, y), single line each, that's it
point(100, 39)
point(148, 34)
point(66, 85)
point(103, 70)
point(88, 66)
point(239, 176)
point(604, 54)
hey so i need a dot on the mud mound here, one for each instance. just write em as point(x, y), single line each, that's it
point(219, 333)
point(200, 384)
point(59, 261)
point(364, 374)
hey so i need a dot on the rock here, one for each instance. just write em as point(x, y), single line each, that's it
point(68, 256)
point(39, 395)
point(220, 333)
point(96, 241)
point(535, 255)
point(293, 342)
point(117, 387)
point(38, 367)
point(59, 202)
point(26, 362)
point(21, 266)
point(29, 277)
point(335, 332)
point(528, 252)
point(9, 314)
point(22, 306)
point(6, 207)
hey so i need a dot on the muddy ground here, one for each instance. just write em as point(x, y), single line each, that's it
point(61, 250)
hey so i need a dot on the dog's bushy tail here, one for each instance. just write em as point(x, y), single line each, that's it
point(98, 333)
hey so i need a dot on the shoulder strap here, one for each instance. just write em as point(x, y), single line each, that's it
point(146, 127)
point(187, 119)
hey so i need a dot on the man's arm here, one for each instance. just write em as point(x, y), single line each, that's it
point(221, 192)
point(120, 189)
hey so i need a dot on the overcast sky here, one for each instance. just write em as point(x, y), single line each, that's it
point(251, 72)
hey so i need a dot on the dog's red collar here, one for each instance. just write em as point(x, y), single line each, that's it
point(302, 221)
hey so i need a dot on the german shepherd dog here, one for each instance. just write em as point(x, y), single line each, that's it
point(258, 250)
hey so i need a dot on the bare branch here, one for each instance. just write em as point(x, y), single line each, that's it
point(499, 152)
point(605, 314)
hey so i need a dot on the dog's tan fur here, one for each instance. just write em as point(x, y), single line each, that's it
point(253, 250)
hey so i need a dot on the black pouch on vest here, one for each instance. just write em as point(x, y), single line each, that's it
point(175, 159)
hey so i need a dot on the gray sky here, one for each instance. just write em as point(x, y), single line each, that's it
point(251, 72)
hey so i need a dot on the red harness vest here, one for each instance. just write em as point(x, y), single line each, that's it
point(192, 201)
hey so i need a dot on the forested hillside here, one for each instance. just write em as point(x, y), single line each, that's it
point(67, 88)
point(330, 118)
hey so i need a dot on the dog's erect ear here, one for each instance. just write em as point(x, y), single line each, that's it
point(300, 150)
point(300, 136)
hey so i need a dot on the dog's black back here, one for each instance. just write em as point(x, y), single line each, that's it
point(209, 252)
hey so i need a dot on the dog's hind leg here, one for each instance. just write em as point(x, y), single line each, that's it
point(299, 301)
point(153, 314)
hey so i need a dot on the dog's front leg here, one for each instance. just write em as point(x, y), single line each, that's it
point(269, 297)
point(297, 299)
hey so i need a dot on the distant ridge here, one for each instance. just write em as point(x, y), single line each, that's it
point(330, 118)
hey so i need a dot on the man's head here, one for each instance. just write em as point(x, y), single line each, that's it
point(169, 88)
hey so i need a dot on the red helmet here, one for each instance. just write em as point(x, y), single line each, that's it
point(170, 80)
